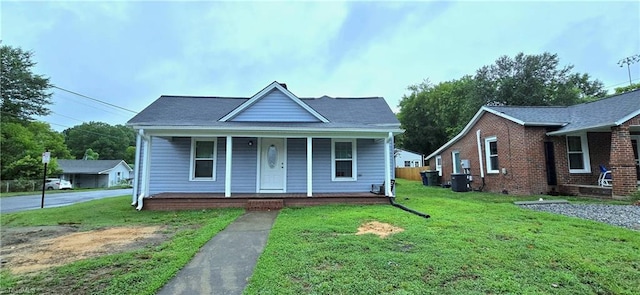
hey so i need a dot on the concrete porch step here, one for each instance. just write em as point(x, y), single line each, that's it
point(264, 205)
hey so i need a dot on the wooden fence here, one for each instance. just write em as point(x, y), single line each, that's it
point(410, 173)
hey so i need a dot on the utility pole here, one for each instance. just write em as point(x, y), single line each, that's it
point(629, 61)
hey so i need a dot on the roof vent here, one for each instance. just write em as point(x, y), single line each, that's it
point(284, 85)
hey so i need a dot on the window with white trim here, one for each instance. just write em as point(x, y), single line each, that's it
point(203, 155)
point(491, 154)
point(455, 159)
point(578, 154)
point(343, 160)
point(407, 163)
point(439, 165)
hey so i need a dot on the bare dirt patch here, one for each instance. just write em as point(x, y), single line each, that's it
point(28, 249)
point(378, 228)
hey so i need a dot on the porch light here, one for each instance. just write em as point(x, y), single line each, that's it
point(250, 143)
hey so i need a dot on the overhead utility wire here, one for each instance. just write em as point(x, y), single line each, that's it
point(95, 99)
point(98, 107)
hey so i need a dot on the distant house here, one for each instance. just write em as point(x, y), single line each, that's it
point(538, 150)
point(406, 158)
point(95, 173)
point(272, 147)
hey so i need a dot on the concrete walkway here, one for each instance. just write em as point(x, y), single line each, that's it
point(225, 263)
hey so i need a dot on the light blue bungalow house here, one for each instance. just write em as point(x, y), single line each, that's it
point(203, 152)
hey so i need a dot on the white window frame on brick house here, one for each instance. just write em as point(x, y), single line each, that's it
point(193, 158)
point(584, 150)
point(353, 159)
point(439, 165)
point(457, 165)
point(488, 155)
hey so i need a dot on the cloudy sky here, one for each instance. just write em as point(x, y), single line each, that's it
point(128, 53)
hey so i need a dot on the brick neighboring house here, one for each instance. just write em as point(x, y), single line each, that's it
point(538, 150)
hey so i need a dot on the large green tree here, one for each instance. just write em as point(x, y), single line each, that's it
point(24, 94)
point(110, 142)
point(22, 145)
point(534, 80)
point(433, 114)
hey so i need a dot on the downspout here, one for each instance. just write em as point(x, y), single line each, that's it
point(145, 171)
point(480, 159)
point(388, 190)
point(136, 174)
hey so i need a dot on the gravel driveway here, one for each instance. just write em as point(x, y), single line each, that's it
point(620, 215)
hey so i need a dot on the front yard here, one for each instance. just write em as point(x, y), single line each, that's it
point(474, 243)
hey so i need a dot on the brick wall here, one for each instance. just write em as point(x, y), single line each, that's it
point(623, 168)
point(516, 155)
point(521, 153)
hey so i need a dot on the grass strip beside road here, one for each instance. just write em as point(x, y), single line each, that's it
point(141, 271)
point(474, 243)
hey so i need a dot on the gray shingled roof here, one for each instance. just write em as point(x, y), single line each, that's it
point(601, 113)
point(364, 112)
point(87, 166)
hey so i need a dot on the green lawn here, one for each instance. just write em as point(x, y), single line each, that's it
point(141, 271)
point(474, 243)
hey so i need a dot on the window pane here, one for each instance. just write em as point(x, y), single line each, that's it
point(344, 169)
point(204, 168)
point(574, 143)
point(576, 161)
point(343, 150)
point(493, 147)
point(494, 163)
point(407, 163)
point(204, 149)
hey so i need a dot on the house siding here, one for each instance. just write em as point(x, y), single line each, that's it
point(370, 158)
point(170, 158)
point(275, 107)
point(297, 164)
point(517, 153)
point(170, 166)
point(113, 174)
point(244, 165)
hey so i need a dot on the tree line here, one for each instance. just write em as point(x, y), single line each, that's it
point(432, 114)
point(23, 139)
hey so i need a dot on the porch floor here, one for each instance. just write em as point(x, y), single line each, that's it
point(256, 201)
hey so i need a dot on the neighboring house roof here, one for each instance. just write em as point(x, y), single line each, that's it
point(594, 116)
point(89, 166)
point(410, 152)
point(218, 112)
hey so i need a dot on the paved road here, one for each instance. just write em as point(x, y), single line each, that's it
point(21, 203)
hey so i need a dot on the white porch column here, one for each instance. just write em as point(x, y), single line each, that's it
point(309, 166)
point(227, 173)
point(387, 165)
point(136, 173)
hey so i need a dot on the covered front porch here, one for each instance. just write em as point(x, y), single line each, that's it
point(613, 149)
point(269, 170)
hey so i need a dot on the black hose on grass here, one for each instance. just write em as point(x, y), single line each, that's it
point(394, 204)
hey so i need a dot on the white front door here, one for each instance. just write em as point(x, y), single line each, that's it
point(272, 165)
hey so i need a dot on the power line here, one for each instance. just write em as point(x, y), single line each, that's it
point(95, 99)
point(65, 116)
point(104, 109)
